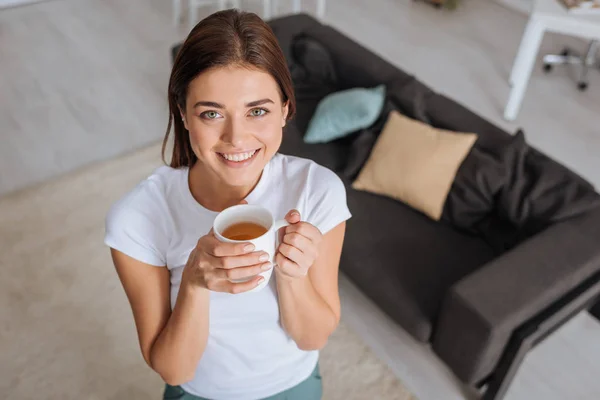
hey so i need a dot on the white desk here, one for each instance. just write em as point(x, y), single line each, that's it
point(546, 15)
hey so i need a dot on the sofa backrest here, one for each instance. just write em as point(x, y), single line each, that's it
point(357, 66)
point(527, 179)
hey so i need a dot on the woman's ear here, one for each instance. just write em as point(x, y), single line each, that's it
point(182, 115)
point(284, 113)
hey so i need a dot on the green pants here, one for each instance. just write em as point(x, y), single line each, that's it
point(309, 389)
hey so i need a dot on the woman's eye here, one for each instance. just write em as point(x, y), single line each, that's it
point(258, 112)
point(210, 115)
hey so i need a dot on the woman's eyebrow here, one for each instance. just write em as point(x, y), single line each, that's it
point(221, 106)
point(259, 102)
point(209, 104)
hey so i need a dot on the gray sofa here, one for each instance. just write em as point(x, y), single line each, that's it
point(516, 253)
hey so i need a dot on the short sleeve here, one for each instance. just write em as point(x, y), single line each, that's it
point(326, 203)
point(134, 227)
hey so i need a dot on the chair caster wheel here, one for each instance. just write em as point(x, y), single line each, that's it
point(547, 67)
point(582, 86)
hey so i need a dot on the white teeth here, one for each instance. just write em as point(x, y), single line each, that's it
point(238, 157)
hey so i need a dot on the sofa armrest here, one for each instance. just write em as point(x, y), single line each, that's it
point(481, 311)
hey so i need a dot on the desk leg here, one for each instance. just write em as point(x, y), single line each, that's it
point(521, 53)
point(267, 9)
point(176, 12)
point(524, 66)
point(192, 14)
point(321, 9)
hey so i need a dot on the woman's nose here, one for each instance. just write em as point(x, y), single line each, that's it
point(234, 132)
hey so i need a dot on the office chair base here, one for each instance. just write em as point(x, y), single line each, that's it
point(569, 57)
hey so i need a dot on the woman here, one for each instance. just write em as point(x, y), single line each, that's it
point(230, 95)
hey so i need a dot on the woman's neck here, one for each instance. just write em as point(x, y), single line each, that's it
point(212, 194)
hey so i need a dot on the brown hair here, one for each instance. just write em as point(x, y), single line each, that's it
point(228, 37)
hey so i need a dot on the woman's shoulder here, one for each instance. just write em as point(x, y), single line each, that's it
point(293, 165)
point(324, 192)
point(307, 171)
point(138, 224)
point(148, 202)
point(153, 191)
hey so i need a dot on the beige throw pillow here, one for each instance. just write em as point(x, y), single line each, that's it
point(414, 163)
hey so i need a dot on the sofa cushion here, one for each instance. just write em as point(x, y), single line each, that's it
point(540, 192)
point(333, 155)
point(360, 148)
point(287, 28)
point(312, 69)
point(414, 163)
point(344, 112)
point(411, 99)
point(405, 261)
point(472, 202)
point(314, 59)
point(359, 151)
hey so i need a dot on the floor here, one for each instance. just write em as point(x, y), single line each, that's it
point(84, 80)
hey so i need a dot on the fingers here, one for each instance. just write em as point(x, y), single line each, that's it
point(214, 247)
point(305, 229)
point(230, 262)
point(241, 272)
point(293, 254)
point(298, 241)
point(293, 216)
point(289, 267)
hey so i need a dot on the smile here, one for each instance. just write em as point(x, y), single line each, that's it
point(238, 157)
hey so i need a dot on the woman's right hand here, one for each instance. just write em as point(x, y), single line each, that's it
point(213, 264)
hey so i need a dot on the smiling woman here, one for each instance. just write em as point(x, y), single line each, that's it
point(199, 327)
point(234, 117)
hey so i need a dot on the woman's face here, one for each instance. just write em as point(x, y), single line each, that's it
point(235, 117)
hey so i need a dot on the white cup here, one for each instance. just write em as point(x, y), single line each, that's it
point(267, 242)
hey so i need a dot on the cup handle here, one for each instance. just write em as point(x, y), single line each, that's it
point(276, 227)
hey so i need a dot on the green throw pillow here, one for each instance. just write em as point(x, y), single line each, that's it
point(344, 112)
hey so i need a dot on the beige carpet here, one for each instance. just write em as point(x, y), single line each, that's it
point(66, 330)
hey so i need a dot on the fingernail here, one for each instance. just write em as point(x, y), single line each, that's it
point(260, 280)
point(294, 213)
point(249, 247)
point(265, 267)
point(264, 257)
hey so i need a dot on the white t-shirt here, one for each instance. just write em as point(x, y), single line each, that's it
point(248, 354)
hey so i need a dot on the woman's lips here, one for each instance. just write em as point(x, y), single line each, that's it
point(238, 159)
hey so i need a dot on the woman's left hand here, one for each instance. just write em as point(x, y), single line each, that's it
point(299, 248)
